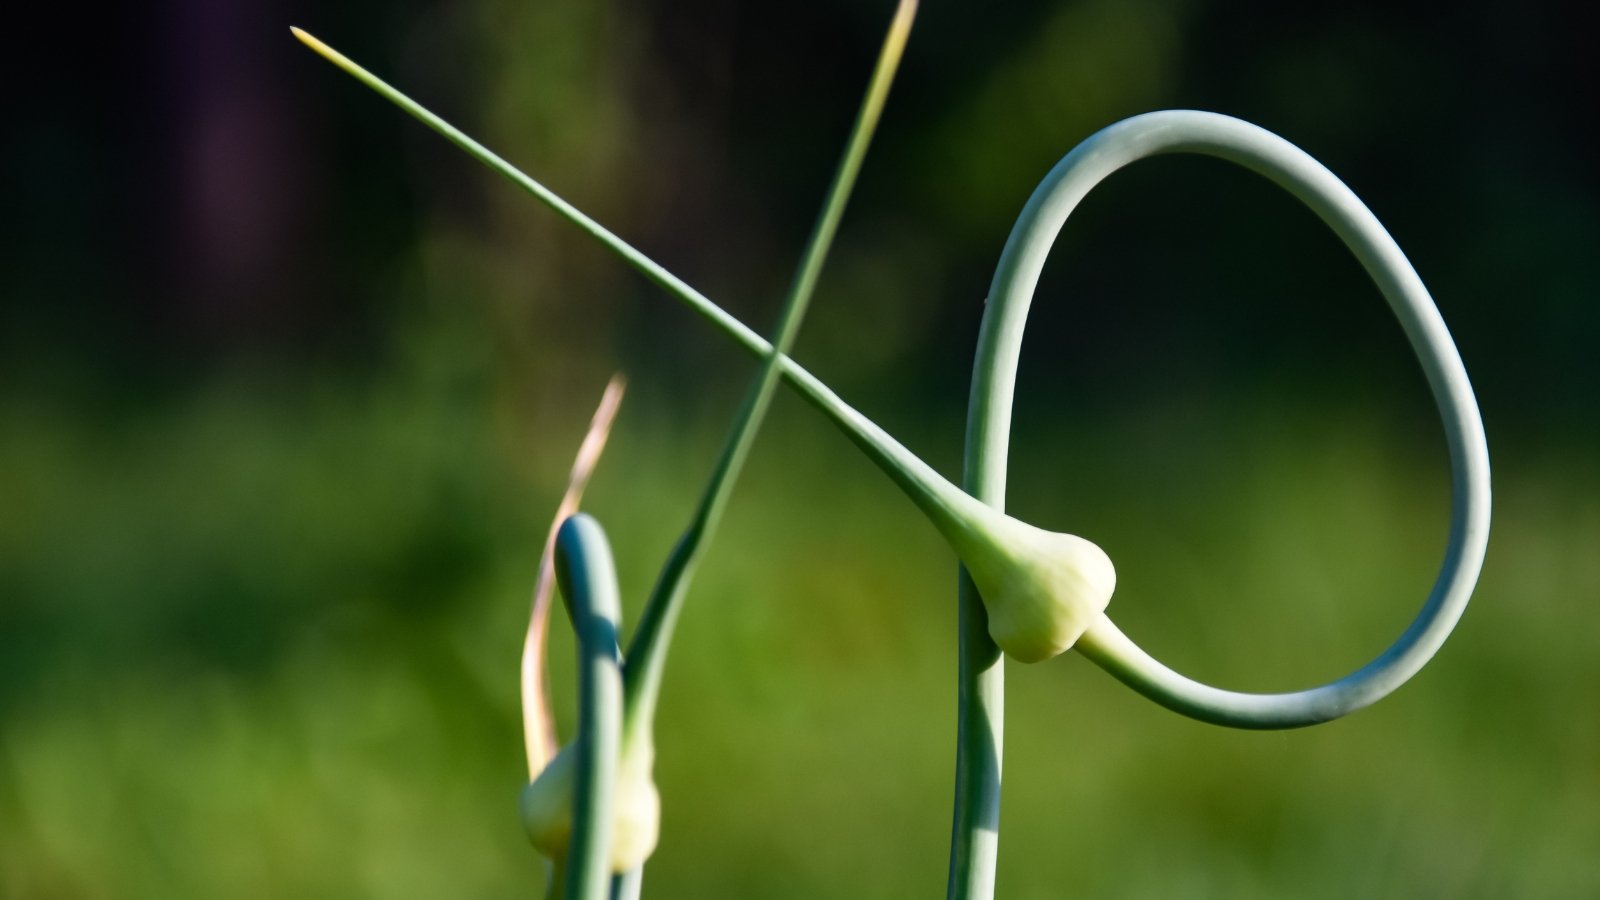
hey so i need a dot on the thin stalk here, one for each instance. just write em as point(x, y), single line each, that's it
point(980, 676)
point(630, 254)
point(589, 585)
point(647, 650)
point(931, 491)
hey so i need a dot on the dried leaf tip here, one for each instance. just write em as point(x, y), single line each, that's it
point(538, 725)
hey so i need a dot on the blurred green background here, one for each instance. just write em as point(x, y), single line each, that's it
point(289, 387)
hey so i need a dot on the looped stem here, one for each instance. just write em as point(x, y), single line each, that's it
point(1188, 131)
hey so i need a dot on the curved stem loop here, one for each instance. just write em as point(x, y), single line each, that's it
point(1188, 131)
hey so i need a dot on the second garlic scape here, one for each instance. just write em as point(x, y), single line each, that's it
point(546, 809)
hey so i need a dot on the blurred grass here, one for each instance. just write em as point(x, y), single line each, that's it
point(263, 643)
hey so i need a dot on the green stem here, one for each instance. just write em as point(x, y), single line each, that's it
point(630, 254)
point(557, 888)
point(627, 885)
point(937, 497)
point(981, 676)
point(648, 649)
point(589, 583)
point(1266, 154)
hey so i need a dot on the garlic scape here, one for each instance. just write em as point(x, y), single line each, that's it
point(546, 806)
point(593, 809)
point(1041, 589)
point(575, 556)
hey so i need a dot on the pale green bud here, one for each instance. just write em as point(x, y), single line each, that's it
point(1042, 589)
point(546, 809)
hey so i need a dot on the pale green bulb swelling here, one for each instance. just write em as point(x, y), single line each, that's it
point(1042, 589)
point(546, 809)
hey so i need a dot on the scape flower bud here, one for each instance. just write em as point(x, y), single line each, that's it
point(1042, 589)
point(546, 809)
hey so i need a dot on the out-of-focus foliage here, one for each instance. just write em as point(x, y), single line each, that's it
point(288, 388)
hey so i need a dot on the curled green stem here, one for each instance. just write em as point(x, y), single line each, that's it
point(1266, 154)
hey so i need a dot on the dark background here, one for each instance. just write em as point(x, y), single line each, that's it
point(288, 388)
